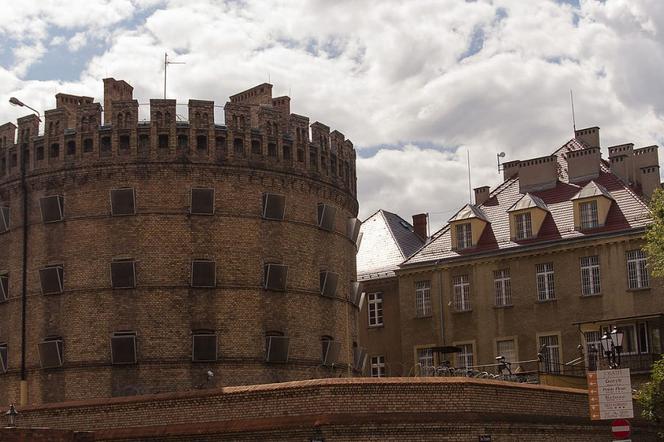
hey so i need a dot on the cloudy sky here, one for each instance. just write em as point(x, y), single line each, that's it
point(416, 85)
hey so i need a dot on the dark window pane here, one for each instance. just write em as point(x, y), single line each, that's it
point(300, 155)
point(275, 276)
point(203, 273)
point(51, 353)
point(40, 153)
point(328, 283)
point(4, 219)
point(4, 287)
point(183, 142)
point(256, 147)
point(52, 208)
point(272, 150)
point(359, 358)
point(202, 201)
point(238, 147)
point(353, 228)
point(71, 147)
point(201, 143)
point(204, 347)
point(3, 358)
point(356, 293)
point(105, 146)
point(122, 202)
point(88, 145)
point(273, 206)
point(123, 348)
point(277, 348)
point(51, 280)
point(123, 274)
point(163, 141)
point(124, 144)
point(331, 351)
point(55, 150)
point(287, 151)
point(143, 144)
point(326, 215)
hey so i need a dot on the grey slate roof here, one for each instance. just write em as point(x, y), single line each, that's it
point(387, 240)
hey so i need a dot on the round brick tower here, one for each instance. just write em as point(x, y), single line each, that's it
point(170, 255)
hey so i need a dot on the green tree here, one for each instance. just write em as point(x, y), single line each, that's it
point(655, 234)
point(651, 395)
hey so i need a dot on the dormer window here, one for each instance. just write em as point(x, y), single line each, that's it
point(591, 206)
point(464, 235)
point(588, 212)
point(526, 217)
point(524, 225)
point(467, 227)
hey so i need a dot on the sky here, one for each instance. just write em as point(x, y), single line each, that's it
point(421, 87)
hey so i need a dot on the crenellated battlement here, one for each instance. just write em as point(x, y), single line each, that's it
point(258, 132)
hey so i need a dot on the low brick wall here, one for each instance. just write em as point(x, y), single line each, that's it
point(388, 409)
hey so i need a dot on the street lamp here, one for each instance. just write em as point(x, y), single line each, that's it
point(11, 416)
point(612, 346)
point(16, 102)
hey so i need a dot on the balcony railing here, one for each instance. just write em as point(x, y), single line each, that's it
point(637, 363)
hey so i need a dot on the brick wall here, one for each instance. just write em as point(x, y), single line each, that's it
point(393, 409)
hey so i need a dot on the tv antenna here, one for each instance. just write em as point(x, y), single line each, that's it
point(571, 98)
point(470, 186)
point(166, 63)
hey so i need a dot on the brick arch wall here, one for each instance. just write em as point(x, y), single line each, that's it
point(163, 309)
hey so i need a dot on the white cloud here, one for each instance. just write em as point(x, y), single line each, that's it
point(386, 73)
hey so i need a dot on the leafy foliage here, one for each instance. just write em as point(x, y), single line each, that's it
point(651, 395)
point(655, 234)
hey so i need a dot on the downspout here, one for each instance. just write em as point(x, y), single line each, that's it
point(440, 293)
point(24, 282)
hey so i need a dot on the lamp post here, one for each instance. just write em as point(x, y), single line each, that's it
point(11, 416)
point(612, 346)
point(24, 284)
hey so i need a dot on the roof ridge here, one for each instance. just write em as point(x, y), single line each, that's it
point(389, 228)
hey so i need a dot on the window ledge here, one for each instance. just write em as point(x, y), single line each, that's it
point(423, 316)
point(463, 311)
point(545, 301)
point(640, 289)
point(503, 306)
point(594, 295)
point(377, 326)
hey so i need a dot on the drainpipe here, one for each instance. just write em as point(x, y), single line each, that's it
point(440, 294)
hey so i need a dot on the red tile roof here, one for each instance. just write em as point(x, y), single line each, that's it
point(628, 211)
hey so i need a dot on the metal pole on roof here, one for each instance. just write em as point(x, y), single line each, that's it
point(571, 97)
point(470, 187)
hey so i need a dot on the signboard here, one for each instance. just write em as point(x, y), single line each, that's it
point(620, 428)
point(610, 394)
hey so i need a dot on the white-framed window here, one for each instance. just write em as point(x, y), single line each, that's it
point(590, 280)
point(425, 357)
point(588, 212)
point(465, 358)
point(423, 298)
point(630, 343)
point(461, 287)
point(550, 349)
point(377, 366)
point(506, 348)
point(593, 351)
point(524, 225)
point(545, 284)
point(502, 284)
point(464, 236)
point(375, 309)
point(637, 272)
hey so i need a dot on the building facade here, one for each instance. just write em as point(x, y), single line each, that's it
point(166, 255)
point(539, 268)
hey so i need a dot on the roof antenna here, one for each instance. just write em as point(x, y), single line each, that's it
point(166, 63)
point(571, 97)
point(470, 187)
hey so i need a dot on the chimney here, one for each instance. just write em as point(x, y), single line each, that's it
point(115, 90)
point(588, 136)
point(538, 174)
point(620, 158)
point(481, 194)
point(510, 169)
point(583, 165)
point(649, 177)
point(420, 225)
